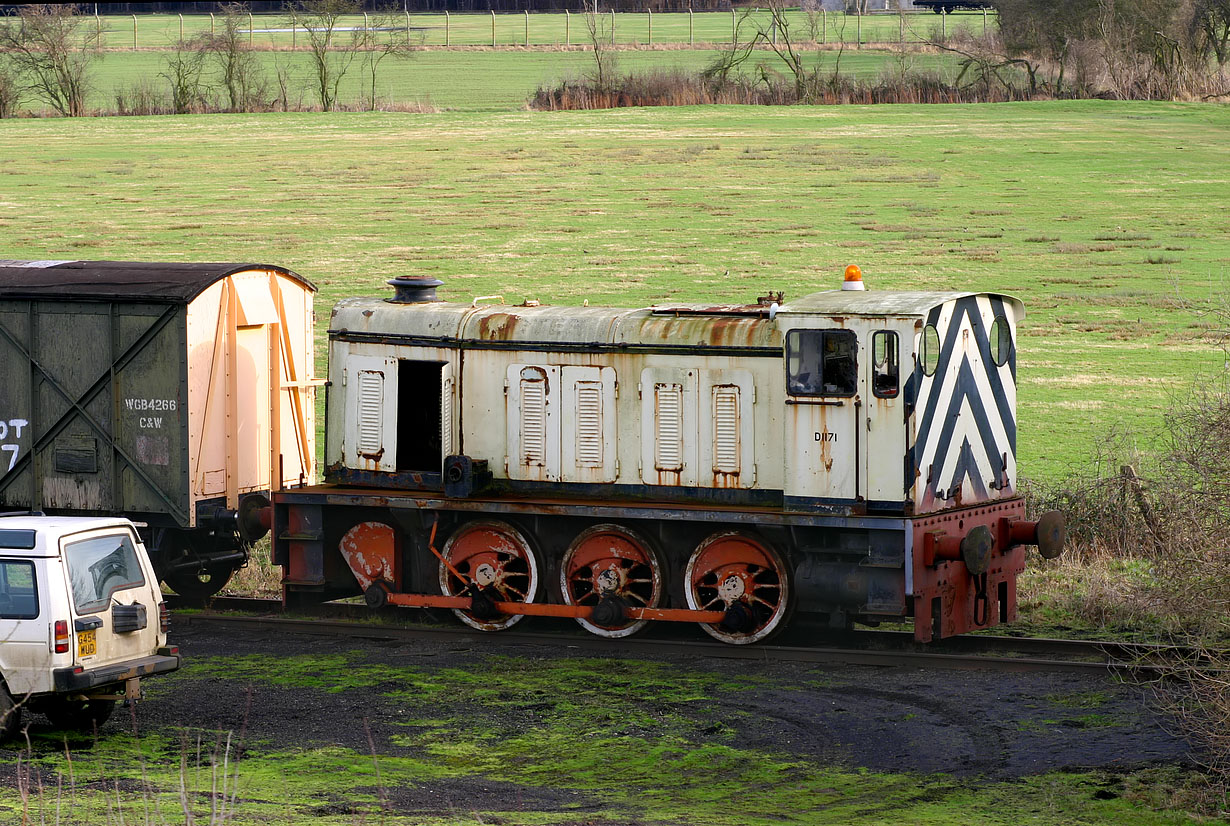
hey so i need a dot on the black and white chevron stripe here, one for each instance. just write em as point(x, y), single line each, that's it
point(965, 413)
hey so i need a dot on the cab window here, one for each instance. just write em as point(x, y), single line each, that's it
point(1000, 341)
point(18, 594)
point(821, 363)
point(100, 566)
point(885, 382)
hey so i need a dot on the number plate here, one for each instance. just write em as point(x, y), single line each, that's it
point(87, 643)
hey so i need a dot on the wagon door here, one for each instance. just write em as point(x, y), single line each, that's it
point(884, 455)
point(822, 402)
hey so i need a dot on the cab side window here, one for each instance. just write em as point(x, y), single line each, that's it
point(885, 375)
point(18, 594)
point(100, 566)
point(821, 363)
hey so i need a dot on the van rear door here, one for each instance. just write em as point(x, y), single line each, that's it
point(114, 595)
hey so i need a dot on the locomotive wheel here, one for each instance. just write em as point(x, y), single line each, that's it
point(612, 563)
point(741, 575)
point(499, 560)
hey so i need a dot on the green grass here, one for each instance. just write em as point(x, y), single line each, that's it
point(1062, 204)
point(160, 31)
point(631, 741)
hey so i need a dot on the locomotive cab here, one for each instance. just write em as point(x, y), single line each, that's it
point(899, 402)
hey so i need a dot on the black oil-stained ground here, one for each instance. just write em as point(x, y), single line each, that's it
point(993, 724)
point(975, 725)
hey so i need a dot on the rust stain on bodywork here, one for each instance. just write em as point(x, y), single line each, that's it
point(498, 326)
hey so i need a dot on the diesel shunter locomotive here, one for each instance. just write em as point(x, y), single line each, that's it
point(850, 454)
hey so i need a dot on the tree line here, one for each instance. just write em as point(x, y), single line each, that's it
point(47, 54)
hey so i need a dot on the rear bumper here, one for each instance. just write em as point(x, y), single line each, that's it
point(78, 678)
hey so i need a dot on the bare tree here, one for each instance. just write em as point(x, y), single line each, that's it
point(237, 65)
point(813, 12)
point(601, 32)
point(10, 88)
point(184, 71)
point(333, 48)
point(52, 51)
point(1209, 27)
point(380, 39)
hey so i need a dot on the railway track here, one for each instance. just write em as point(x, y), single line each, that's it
point(800, 644)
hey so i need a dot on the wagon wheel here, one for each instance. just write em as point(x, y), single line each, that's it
point(496, 558)
point(199, 583)
point(610, 568)
point(741, 575)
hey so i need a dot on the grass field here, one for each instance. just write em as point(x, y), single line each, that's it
point(161, 31)
point(483, 80)
point(1099, 215)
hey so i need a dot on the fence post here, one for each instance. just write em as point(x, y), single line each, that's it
point(134, 32)
point(181, 28)
point(824, 26)
point(367, 33)
point(250, 27)
point(211, 24)
point(649, 12)
point(98, 27)
point(858, 29)
point(447, 41)
point(901, 25)
point(567, 28)
point(943, 26)
point(493, 28)
point(294, 33)
point(691, 30)
point(612, 25)
point(527, 27)
point(733, 27)
point(984, 22)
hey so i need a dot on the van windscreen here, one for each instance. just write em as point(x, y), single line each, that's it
point(100, 566)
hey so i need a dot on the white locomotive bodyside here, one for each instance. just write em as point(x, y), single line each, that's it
point(841, 402)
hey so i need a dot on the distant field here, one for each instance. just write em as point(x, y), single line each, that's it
point(1099, 215)
point(160, 31)
point(483, 80)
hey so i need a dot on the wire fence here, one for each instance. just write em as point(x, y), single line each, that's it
point(555, 29)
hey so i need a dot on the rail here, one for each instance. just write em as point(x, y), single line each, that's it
point(799, 644)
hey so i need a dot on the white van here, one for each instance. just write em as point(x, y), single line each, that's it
point(82, 619)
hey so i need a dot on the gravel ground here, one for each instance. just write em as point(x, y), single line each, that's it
point(966, 724)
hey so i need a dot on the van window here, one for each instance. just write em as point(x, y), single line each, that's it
point(884, 382)
point(100, 566)
point(18, 596)
point(821, 363)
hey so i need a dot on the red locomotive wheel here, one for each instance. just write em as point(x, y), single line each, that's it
point(499, 560)
point(612, 563)
point(739, 574)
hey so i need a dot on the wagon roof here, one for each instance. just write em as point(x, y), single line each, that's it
point(883, 302)
point(173, 282)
